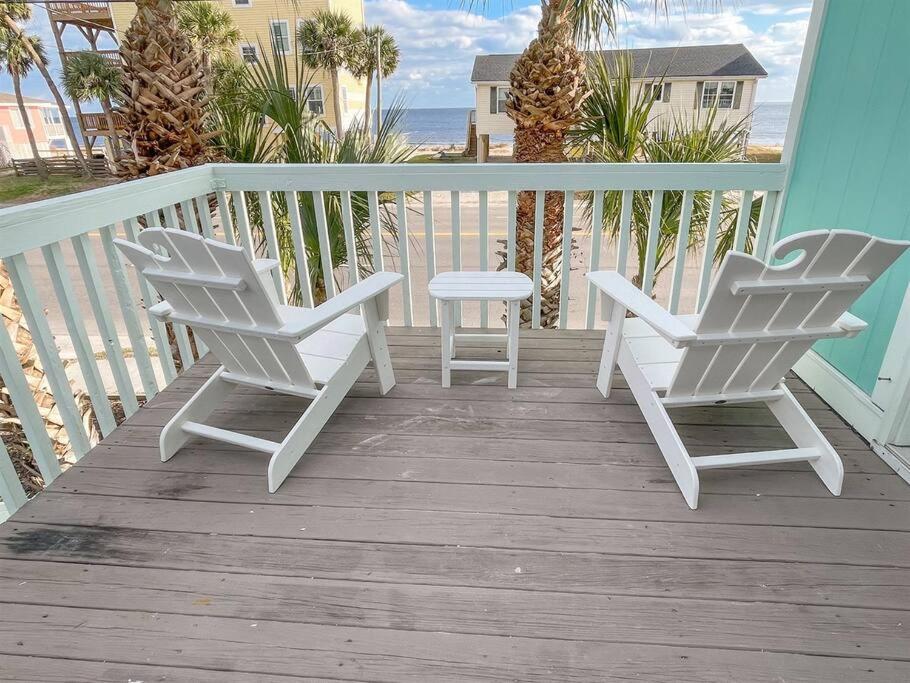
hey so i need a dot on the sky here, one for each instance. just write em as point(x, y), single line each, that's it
point(439, 39)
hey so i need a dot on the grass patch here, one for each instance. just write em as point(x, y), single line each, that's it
point(434, 158)
point(19, 190)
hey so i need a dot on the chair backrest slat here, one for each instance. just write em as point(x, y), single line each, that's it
point(749, 296)
point(216, 286)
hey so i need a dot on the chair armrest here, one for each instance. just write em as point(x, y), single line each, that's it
point(627, 295)
point(313, 319)
point(850, 324)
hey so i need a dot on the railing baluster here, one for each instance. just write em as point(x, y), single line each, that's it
point(11, 492)
point(202, 208)
point(565, 266)
point(224, 213)
point(27, 410)
point(539, 199)
point(149, 299)
point(511, 213)
point(765, 217)
point(484, 238)
point(300, 255)
point(402, 212)
point(742, 224)
point(75, 325)
point(243, 223)
point(189, 217)
point(271, 243)
point(625, 231)
point(127, 304)
point(704, 281)
point(27, 295)
point(597, 230)
point(347, 219)
point(456, 246)
point(430, 241)
point(657, 201)
point(376, 229)
point(171, 219)
point(682, 243)
point(106, 327)
point(325, 244)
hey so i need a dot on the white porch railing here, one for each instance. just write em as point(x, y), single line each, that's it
point(69, 240)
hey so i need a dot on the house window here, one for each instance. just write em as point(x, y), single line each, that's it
point(314, 100)
point(657, 92)
point(249, 54)
point(281, 37)
point(16, 116)
point(292, 91)
point(502, 98)
point(51, 116)
point(243, 3)
point(344, 99)
point(718, 94)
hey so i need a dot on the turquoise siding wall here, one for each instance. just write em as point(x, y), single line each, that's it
point(852, 164)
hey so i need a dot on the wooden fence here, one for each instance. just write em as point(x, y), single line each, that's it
point(60, 166)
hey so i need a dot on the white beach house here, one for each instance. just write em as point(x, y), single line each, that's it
point(694, 78)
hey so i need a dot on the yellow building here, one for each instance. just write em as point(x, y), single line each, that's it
point(261, 21)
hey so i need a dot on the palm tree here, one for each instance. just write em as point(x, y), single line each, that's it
point(210, 28)
point(88, 76)
point(328, 41)
point(12, 12)
point(163, 96)
point(365, 64)
point(18, 62)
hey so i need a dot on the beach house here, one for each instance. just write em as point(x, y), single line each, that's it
point(684, 81)
point(260, 24)
point(46, 125)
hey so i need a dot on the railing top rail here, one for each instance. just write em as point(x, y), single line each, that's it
point(501, 177)
point(38, 224)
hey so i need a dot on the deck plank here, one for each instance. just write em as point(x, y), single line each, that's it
point(475, 532)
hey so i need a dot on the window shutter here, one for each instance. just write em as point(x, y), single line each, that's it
point(699, 87)
point(667, 92)
point(493, 93)
point(738, 94)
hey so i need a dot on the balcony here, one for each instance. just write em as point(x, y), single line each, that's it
point(112, 56)
point(95, 123)
point(87, 14)
point(431, 534)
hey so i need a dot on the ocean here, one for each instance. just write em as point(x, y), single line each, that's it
point(449, 126)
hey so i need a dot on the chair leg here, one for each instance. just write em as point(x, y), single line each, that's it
point(200, 406)
point(512, 345)
point(445, 314)
point(612, 341)
point(379, 346)
point(805, 434)
point(665, 434)
point(295, 444)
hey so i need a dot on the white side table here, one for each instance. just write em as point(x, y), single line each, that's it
point(449, 288)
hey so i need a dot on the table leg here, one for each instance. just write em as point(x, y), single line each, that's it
point(514, 317)
point(445, 314)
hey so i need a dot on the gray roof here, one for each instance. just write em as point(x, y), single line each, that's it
point(10, 98)
point(705, 61)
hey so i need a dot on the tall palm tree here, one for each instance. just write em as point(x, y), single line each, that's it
point(366, 63)
point(328, 41)
point(11, 13)
point(17, 61)
point(163, 96)
point(88, 76)
point(210, 28)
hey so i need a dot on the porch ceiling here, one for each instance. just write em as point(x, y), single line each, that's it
point(475, 532)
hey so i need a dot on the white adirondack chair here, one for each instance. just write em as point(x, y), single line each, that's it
point(230, 303)
point(757, 321)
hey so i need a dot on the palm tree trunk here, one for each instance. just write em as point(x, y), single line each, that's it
point(336, 105)
point(368, 114)
point(61, 104)
point(39, 162)
point(112, 129)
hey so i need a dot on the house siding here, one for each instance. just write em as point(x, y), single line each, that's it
point(682, 104)
point(15, 140)
point(254, 22)
point(852, 161)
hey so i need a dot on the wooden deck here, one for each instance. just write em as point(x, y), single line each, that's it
point(474, 533)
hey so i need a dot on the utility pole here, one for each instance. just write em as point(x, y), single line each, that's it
point(378, 83)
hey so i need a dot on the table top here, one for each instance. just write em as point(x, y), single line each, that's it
point(481, 286)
